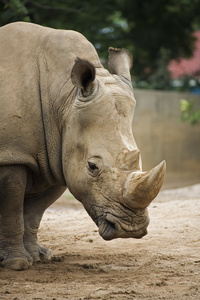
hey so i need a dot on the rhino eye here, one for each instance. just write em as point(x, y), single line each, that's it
point(92, 166)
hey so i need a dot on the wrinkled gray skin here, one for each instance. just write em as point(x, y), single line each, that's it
point(65, 121)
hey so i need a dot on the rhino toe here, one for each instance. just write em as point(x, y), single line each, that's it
point(45, 253)
point(38, 252)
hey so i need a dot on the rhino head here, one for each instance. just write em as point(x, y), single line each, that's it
point(101, 161)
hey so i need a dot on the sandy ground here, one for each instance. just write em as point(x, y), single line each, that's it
point(165, 264)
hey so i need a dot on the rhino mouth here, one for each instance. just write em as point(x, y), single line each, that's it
point(112, 226)
point(109, 231)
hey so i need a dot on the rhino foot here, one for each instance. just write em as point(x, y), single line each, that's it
point(38, 252)
point(17, 261)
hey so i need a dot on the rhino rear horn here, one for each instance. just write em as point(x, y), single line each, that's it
point(83, 76)
point(120, 62)
point(128, 160)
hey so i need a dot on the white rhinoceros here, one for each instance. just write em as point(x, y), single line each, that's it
point(65, 121)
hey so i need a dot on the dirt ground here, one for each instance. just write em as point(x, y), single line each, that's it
point(165, 264)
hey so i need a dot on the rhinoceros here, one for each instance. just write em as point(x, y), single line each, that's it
point(66, 122)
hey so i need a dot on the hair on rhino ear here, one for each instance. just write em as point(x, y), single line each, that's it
point(83, 75)
point(120, 62)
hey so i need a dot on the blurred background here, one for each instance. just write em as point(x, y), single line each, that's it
point(164, 38)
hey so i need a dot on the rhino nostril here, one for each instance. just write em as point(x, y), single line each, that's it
point(111, 225)
point(107, 230)
point(110, 222)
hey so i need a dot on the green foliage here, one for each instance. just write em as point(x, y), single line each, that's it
point(188, 112)
point(13, 10)
point(159, 30)
point(154, 31)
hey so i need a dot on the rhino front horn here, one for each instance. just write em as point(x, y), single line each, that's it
point(142, 187)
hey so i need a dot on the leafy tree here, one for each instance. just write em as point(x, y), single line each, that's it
point(92, 18)
point(154, 31)
point(159, 30)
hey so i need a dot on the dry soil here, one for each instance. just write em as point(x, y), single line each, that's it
point(165, 264)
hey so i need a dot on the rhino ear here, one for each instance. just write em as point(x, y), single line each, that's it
point(120, 62)
point(83, 76)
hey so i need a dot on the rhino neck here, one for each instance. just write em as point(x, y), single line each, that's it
point(56, 57)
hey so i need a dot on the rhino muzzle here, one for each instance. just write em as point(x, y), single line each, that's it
point(129, 217)
point(110, 229)
point(120, 222)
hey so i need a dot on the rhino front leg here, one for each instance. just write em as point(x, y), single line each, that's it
point(34, 208)
point(12, 189)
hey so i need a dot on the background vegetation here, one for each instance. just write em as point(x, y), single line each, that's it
point(155, 31)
